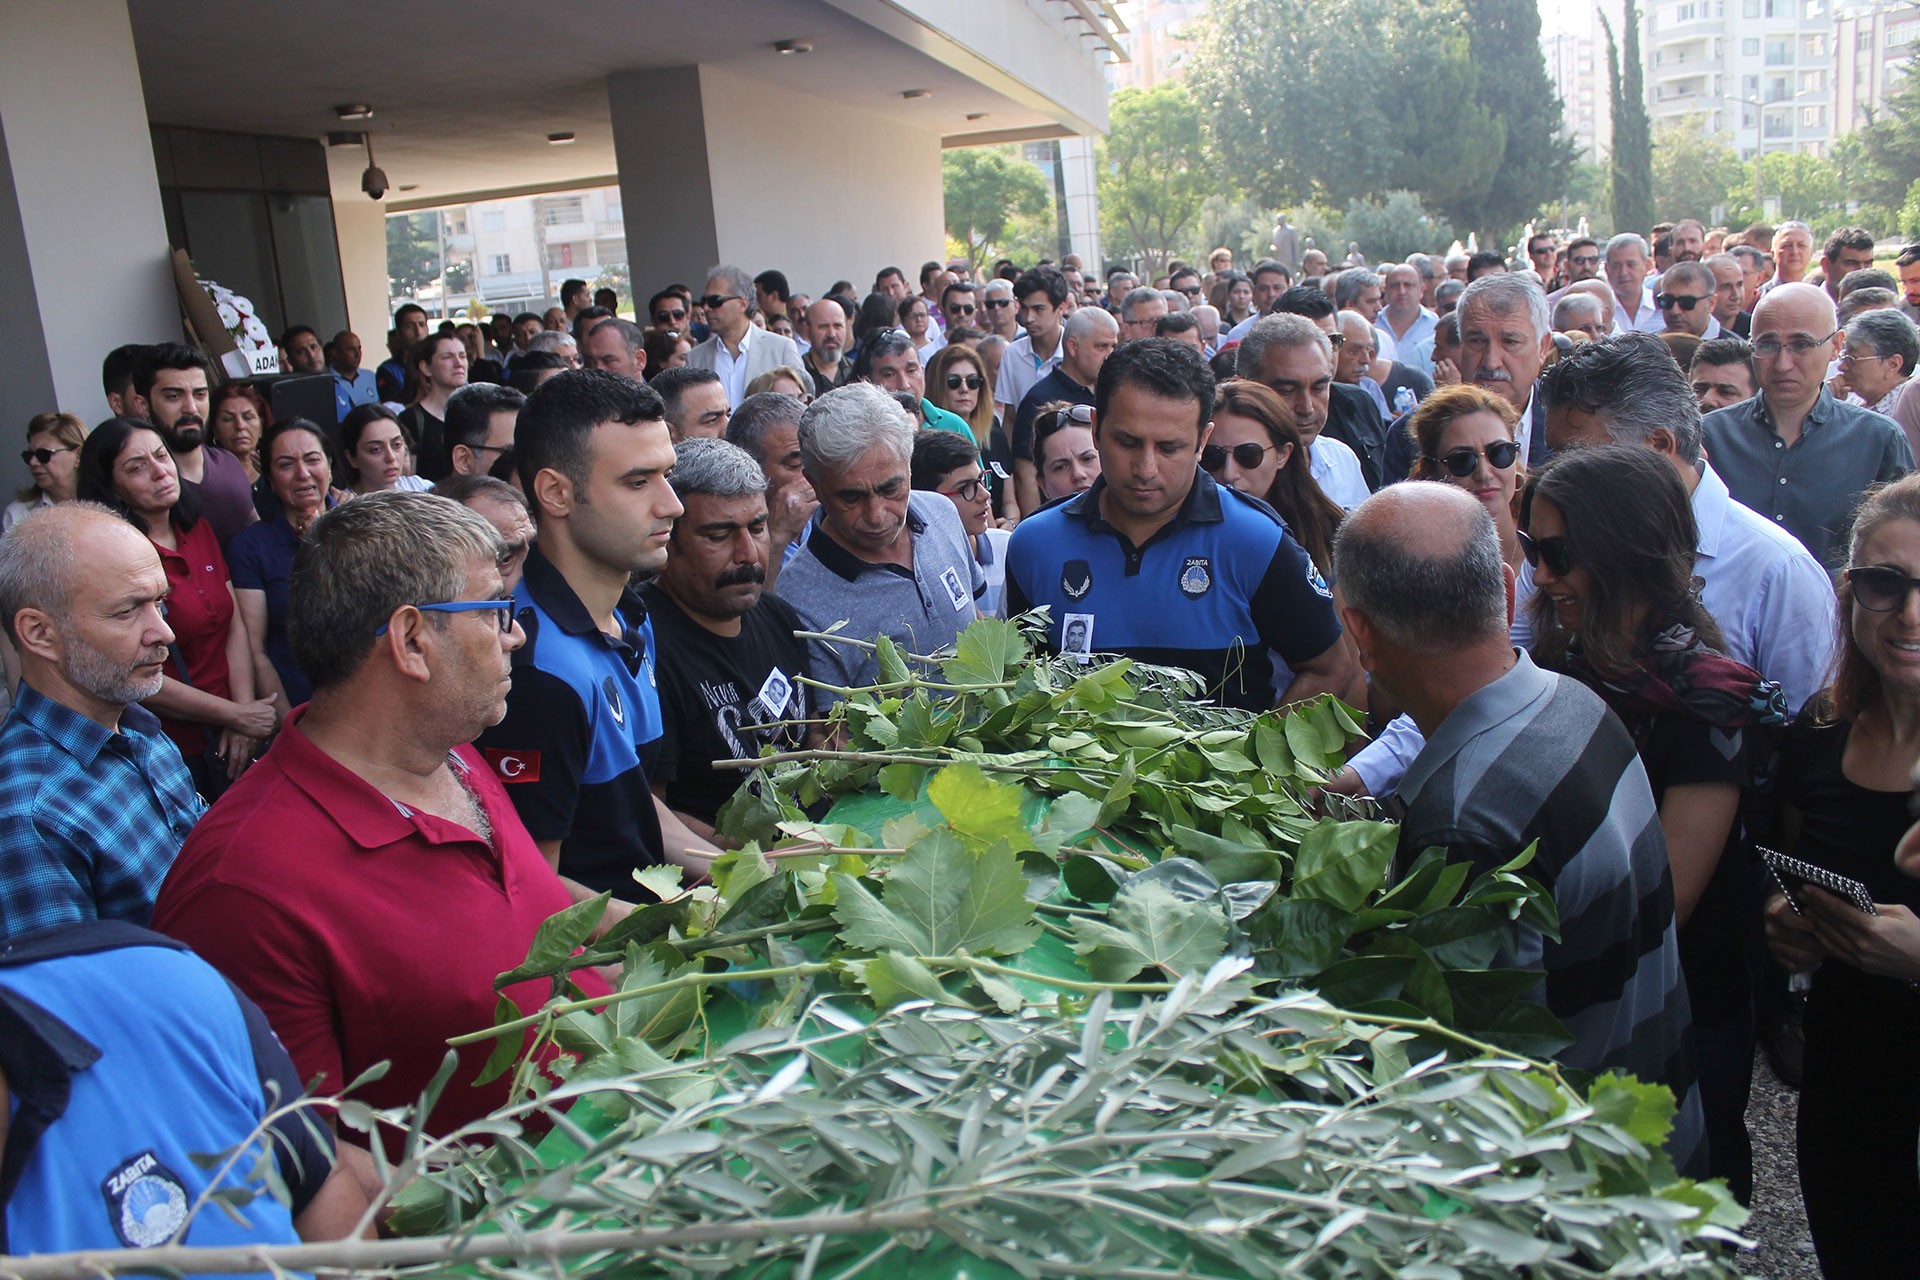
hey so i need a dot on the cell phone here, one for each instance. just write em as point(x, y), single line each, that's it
point(1791, 873)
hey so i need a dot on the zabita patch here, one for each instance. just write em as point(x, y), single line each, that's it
point(1196, 576)
point(146, 1201)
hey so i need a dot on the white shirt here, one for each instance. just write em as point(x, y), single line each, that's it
point(731, 368)
point(1336, 469)
point(934, 343)
point(1647, 319)
point(1020, 369)
point(1419, 331)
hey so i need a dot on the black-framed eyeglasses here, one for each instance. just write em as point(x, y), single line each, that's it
point(1684, 301)
point(503, 607)
point(1880, 587)
point(971, 381)
point(714, 301)
point(1552, 552)
point(1798, 348)
point(1461, 462)
point(45, 456)
point(967, 490)
point(1246, 455)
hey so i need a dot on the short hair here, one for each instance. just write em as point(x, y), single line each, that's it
point(1698, 272)
point(1423, 266)
point(1422, 599)
point(999, 285)
point(739, 281)
point(1348, 285)
point(37, 563)
point(1134, 297)
point(717, 469)
point(293, 331)
point(116, 371)
point(904, 307)
point(1282, 329)
point(1446, 330)
point(958, 286)
point(555, 429)
point(632, 336)
point(466, 489)
point(765, 381)
point(1724, 350)
point(659, 298)
point(1503, 293)
point(1086, 319)
point(1627, 239)
point(883, 273)
point(840, 427)
point(1183, 271)
point(528, 368)
point(470, 412)
point(94, 476)
point(604, 297)
point(1303, 300)
point(1581, 242)
point(1576, 309)
point(936, 454)
point(1449, 290)
point(1632, 383)
point(1908, 256)
point(554, 340)
point(1161, 367)
point(1861, 301)
point(1846, 238)
point(151, 360)
point(1887, 333)
point(1482, 263)
point(759, 414)
point(886, 342)
point(1267, 266)
point(1175, 322)
point(526, 317)
point(1867, 278)
point(672, 385)
point(366, 558)
point(929, 269)
point(1047, 280)
point(1748, 256)
point(775, 283)
point(1444, 407)
point(571, 288)
point(406, 307)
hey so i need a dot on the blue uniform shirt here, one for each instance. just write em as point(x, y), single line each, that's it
point(1219, 582)
point(583, 718)
point(90, 819)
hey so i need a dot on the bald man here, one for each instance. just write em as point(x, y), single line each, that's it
point(1515, 754)
point(1794, 453)
point(95, 800)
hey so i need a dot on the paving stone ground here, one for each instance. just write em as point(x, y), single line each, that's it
point(1779, 1223)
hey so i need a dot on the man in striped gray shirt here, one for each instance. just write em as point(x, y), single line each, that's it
point(1516, 755)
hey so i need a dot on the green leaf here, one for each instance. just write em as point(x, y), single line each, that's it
point(643, 924)
point(659, 1017)
point(1645, 1111)
point(555, 941)
point(984, 652)
point(892, 978)
point(1315, 737)
point(903, 781)
point(1069, 817)
point(738, 870)
point(939, 899)
point(892, 667)
point(661, 880)
point(1363, 980)
point(1298, 937)
point(1343, 862)
point(1528, 1028)
point(1150, 927)
point(1458, 937)
point(506, 1048)
point(979, 809)
point(1093, 879)
point(1119, 794)
point(1270, 746)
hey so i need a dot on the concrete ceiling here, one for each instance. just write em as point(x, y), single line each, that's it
point(464, 97)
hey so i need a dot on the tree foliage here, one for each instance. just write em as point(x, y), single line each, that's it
point(413, 253)
point(985, 187)
point(1390, 230)
point(1694, 170)
point(1153, 173)
point(1807, 187)
point(1892, 142)
point(1632, 172)
point(1515, 90)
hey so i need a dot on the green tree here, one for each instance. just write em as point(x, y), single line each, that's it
point(1632, 172)
point(413, 253)
point(985, 187)
point(1537, 157)
point(1153, 173)
point(1390, 230)
point(1807, 187)
point(1891, 141)
point(1451, 142)
point(1587, 194)
point(1236, 223)
point(1693, 170)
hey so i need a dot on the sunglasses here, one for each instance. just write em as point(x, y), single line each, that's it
point(961, 308)
point(44, 456)
point(1246, 456)
point(1552, 552)
point(1461, 462)
point(999, 304)
point(1074, 414)
point(971, 381)
point(1880, 588)
point(662, 316)
point(714, 301)
point(1192, 290)
point(1337, 339)
point(1585, 260)
point(1686, 302)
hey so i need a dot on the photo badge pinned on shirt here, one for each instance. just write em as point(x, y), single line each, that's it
point(956, 589)
point(775, 693)
point(1076, 635)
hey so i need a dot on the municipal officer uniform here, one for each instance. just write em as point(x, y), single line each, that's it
point(1213, 587)
point(582, 726)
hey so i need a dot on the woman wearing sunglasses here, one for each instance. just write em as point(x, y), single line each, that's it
point(1255, 448)
point(1610, 536)
point(958, 381)
point(1846, 779)
point(52, 455)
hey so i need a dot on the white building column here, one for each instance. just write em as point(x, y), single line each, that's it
point(83, 241)
point(1081, 175)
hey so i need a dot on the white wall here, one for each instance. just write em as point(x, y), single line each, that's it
point(361, 225)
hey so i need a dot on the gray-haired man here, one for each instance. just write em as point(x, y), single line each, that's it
point(883, 558)
point(730, 664)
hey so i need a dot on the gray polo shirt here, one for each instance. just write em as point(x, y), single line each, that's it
point(921, 609)
point(1536, 756)
point(1809, 488)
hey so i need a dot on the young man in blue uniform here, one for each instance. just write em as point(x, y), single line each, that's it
point(1159, 563)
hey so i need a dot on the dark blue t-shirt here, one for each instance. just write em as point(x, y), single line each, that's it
point(261, 559)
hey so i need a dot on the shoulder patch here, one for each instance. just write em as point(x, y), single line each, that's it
point(1076, 579)
point(1318, 583)
point(513, 766)
point(146, 1201)
point(1196, 576)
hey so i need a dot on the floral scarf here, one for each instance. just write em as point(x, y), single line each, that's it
point(1680, 673)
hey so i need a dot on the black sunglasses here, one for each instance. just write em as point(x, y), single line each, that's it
point(714, 301)
point(999, 303)
point(1880, 588)
point(1246, 456)
point(971, 381)
point(663, 315)
point(1552, 552)
point(44, 456)
point(1684, 301)
point(1461, 462)
point(1585, 260)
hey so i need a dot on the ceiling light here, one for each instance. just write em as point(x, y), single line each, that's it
point(911, 94)
point(354, 111)
point(784, 47)
point(559, 139)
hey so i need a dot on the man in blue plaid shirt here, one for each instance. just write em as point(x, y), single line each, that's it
point(94, 799)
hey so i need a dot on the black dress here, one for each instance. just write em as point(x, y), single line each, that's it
point(1859, 1131)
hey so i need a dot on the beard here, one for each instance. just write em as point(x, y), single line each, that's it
point(93, 672)
point(187, 432)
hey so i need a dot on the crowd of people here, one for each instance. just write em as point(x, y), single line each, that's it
point(1617, 544)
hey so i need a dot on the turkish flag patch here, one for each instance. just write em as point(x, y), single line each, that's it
point(514, 766)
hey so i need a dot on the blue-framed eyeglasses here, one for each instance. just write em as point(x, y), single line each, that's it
point(503, 607)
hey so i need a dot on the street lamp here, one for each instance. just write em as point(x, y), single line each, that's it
point(1760, 128)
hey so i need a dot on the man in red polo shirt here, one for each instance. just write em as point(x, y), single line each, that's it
point(369, 878)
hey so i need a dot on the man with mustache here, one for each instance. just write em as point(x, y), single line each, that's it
point(170, 388)
point(1505, 334)
point(95, 801)
point(729, 661)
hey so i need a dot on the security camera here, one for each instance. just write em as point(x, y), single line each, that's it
point(374, 182)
